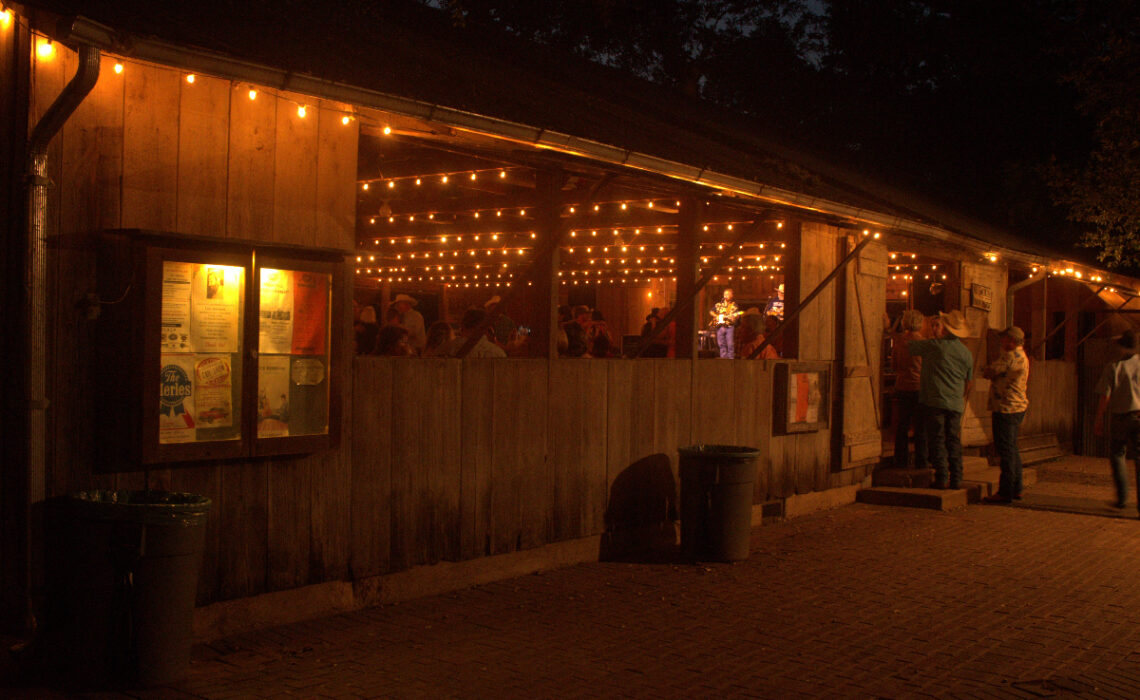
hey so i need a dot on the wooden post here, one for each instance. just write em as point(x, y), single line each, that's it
point(544, 336)
point(688, 270)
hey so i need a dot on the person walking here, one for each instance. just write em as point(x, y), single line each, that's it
point(1008, 376)
point(908, 374)
point(947, 375)
point(1119, 389)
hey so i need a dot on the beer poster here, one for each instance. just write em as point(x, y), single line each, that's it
point(176, 279)
point(311, 306)
point(176, 421)
point(275, 324)
point(215, 308)
point(272, 396)
point(213, 398)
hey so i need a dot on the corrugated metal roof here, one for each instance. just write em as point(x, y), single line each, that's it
point(404, 49)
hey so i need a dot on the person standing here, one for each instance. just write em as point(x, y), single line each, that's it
point(1009, 376)
point(947, 375)
point(411, 320)
point(725, 313)
point(908, 375)
point(1119, 389)
point(775, 305)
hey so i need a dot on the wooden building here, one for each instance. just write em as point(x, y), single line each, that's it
point(396, 155)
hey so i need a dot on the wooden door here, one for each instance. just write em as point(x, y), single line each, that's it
point(860, 438)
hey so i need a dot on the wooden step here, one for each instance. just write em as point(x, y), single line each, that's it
point(1029, 442)
point(933, 499)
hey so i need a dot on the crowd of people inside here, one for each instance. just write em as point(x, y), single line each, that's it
point(581, 332)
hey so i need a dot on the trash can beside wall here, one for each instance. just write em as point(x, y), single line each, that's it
point(716, 501)
point(121, 581)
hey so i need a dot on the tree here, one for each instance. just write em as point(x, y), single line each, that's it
point(1102, 191)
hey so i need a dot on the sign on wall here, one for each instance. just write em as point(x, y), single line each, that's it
point(981, 297)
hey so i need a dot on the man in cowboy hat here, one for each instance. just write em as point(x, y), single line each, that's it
point(412, 320)
point(504, 327)
point(1119, 389)
point(1008, 377)
point(947, 372)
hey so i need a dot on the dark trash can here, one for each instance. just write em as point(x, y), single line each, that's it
point(716, 501)
point(121, 581)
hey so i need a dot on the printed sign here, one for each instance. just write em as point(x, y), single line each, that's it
point(176, 400)
point(981, 297)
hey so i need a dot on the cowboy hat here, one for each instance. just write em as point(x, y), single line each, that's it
point(404, 297)
point(955, 322)
point(1014, 333)
point(1129, 340)
point(491, 302)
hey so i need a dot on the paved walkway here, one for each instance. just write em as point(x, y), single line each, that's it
point(861, 601)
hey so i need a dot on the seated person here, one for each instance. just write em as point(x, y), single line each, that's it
point(438, 335)
point(467, 328)
point(576, 329)
point(393, 341)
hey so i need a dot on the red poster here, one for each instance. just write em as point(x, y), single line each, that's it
point(310, 312)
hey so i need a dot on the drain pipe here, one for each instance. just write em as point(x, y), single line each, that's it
point(35, 272)
point(1009, 292)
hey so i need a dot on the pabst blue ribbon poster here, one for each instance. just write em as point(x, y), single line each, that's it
point(176, 399)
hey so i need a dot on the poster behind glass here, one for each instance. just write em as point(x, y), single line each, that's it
point(293, 353)
point(200, 352)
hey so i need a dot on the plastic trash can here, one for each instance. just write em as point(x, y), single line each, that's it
point(716, 501)
point(121, 581)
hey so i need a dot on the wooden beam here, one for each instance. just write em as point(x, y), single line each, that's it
point(790, 317)
point(688, 256)
point(1068, 317)
point(1098, 326)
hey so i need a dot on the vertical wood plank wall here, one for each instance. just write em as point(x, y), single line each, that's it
point(147, 149)
point(460, 459)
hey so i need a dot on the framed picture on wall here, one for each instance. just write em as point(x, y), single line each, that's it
point(801, 402)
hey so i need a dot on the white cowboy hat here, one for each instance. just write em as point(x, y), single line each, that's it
point(954, 322)
point(404, 297)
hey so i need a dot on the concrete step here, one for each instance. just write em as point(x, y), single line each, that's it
point(986, 483)
point(933, 499)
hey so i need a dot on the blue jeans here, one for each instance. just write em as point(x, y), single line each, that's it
point(1006, 426)
point(726, 341)
point(908, 412)
point(943, 435)
point(1124, 433)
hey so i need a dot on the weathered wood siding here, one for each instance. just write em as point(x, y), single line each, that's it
point(458, 459)
point(1052, 400)
point(147, 149)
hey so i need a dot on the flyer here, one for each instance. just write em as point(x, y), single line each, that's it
point(311, 307)
point(215, 307)
point(176, 277)
point(272, 396)
point(275, 324)
point(176, 400)
point(213, 400)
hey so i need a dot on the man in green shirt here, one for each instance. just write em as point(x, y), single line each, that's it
point(947, 373)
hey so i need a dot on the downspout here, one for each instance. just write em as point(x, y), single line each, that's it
point(35, 271)
point(1009, 292)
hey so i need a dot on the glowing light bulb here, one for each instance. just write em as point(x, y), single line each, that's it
point(45, 49)
point(364, 187)
point(253, 94)
point(443, 179)
point(502, 173)
point(387, 130)
point(118, 68)
point(190, 78)
point(345, 119)
point(5, 17)
point(391, 184)
point(301, 111)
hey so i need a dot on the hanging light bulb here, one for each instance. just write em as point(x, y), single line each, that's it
point(252, 94)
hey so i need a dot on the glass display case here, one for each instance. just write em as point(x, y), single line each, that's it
point(240, 348)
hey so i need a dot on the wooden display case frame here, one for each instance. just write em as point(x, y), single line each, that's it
point(128, 344)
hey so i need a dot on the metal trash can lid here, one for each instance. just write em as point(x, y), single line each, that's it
point(148, 507)
point(733, 452)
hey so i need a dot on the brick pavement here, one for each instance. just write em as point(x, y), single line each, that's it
point(862, 601)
